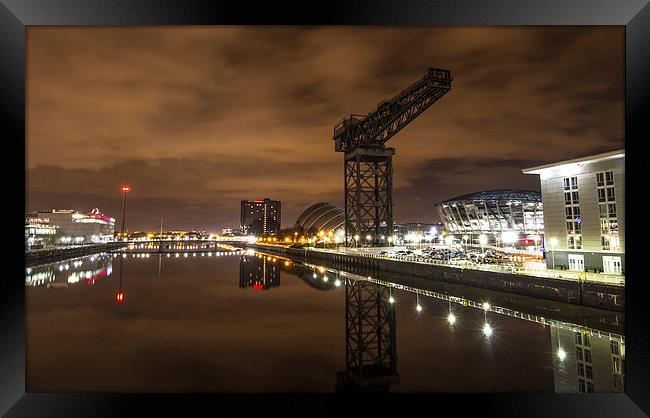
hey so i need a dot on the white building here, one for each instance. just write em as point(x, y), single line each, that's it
point(584, 212)
point(74, 227)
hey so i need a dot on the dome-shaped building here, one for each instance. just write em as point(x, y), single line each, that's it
point(493, 211)
point(322, 216)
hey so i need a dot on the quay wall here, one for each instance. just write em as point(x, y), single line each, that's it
point(590, 294)
point(49, 255)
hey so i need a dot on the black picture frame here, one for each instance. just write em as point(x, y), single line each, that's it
point(17, 15)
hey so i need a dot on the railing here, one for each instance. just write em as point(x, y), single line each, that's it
point(497, 268)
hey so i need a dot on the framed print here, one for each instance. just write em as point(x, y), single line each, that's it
point(267, 207)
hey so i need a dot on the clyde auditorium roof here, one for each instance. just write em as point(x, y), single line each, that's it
point(499, 195)
point(321, 216)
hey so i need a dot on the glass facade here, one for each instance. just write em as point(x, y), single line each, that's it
point(494, 211)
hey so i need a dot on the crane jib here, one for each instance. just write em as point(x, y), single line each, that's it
point(392, 115)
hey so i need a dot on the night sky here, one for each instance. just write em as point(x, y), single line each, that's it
point(197, 119)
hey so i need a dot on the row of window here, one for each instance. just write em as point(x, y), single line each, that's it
point(605, 178)
point(607, 210)
point(606, 194)
point(570, 183)
point(585, 370)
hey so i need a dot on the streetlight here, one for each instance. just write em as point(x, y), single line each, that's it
point(508, 237)
point(482, 239)
point(125, 190)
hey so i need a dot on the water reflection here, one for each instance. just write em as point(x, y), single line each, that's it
point(585, 347)
point(585, 359)
point(371, 339)
point(585, 362)
point(85, 270)
point(258, 272)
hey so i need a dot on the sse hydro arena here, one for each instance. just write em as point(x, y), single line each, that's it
point(495, 217)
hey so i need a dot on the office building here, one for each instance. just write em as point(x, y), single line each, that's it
point(584, 212)
point(260, 217)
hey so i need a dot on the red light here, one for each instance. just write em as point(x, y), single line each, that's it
point(257, 286)
point(259, 201)
point(526, 241)
point(125, 188)
point(119, 296)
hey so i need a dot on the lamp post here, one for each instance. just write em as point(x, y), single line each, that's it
point(125, 190)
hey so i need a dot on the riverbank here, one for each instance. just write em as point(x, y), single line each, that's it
point(595, 295)
point(49, 255)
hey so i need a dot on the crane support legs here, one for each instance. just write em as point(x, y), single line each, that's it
point(370, 350)
point(368, 176)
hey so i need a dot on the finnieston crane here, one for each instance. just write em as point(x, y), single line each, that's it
point(368, 163)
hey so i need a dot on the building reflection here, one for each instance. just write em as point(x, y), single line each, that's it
point(259, 272)
point(587, 362)
point(85, 270)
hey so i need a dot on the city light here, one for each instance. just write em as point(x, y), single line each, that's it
point(482, 239)
point(509, 237)
point(126, 189)
point(119, 296)
point(451, 319)
point(337, 283)
point(325, 279)
point(391, 299)
point(561, 354)
point(418, 308)
point(487, 330)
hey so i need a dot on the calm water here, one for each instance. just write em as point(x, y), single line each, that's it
point(245, 323)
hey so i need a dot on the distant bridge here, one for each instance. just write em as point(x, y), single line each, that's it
point(181, 245)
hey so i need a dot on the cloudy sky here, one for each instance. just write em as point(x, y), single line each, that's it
point(196, 119)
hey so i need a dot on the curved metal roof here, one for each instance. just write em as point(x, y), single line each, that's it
point(505, 194)
point(321, 216)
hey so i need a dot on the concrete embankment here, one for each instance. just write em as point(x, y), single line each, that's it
point(595, 295)
point(49, 255)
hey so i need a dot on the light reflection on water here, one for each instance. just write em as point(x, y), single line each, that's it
point(294, 316)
